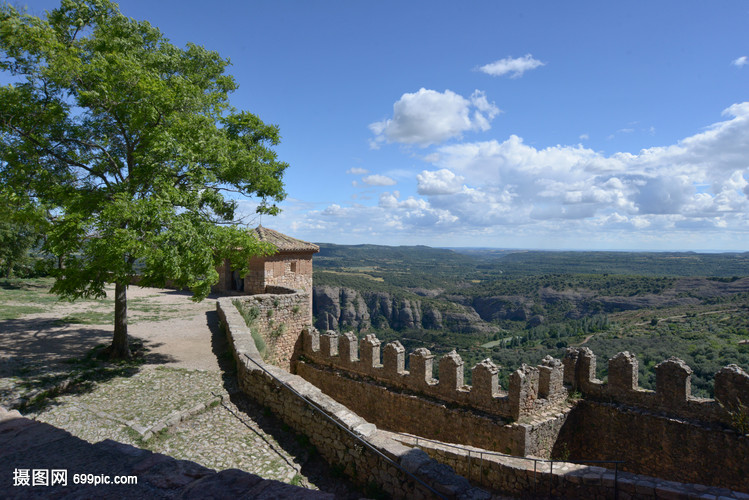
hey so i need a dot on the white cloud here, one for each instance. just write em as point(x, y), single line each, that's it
point(506, 193)
point(584, 137)
point(515, 66)
point(357, 171)
point(740, 62)
point(575, 182)
point(429, 117)
point(378, 180)
point(439, 182)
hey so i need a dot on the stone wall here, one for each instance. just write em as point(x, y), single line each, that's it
point(334, 429)
point(650, 441)
point(282, 314)
point(529, 478)
point(402, 412)
point(287, 269)
point(284, 269)
point(673, 395)
point(666, 432)
point(532, 390)
point(697, 439)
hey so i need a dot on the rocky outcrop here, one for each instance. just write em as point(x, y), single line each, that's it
point(340, 308)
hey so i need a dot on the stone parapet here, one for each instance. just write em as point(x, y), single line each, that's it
point(673, 394)
point(343, 438)
point(529, 392)
point(280, 318)
point(533, 478)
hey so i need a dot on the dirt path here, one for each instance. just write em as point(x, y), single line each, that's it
point(176, 330)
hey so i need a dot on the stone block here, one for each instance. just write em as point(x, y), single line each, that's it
point(485, 382)
point(348, 348)
point(329, 344)
point(450, 373)
point(623, 374)
point(570, 366)
point(311, 339)
point(394, 359)
point(369, 349)
point(551, 379)
point(673, 384)
point(732, 387)
point(523, 390)
point(421, 367)
point(586, 368)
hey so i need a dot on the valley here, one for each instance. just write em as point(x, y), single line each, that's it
point(516, 307)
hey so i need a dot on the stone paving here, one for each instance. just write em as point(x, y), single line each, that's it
point(190, 415)
point(38, 460)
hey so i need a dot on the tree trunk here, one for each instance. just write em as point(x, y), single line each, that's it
point(120, 348)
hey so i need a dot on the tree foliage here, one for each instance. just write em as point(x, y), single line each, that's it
point(131, 144)
point(21, 228)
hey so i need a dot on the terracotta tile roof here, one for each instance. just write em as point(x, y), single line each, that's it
point(282, 242)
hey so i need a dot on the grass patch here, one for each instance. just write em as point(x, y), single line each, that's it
point(87, 318)
point(250, 314)
point(11, 311)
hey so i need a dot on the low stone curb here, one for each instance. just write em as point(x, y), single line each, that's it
point(176, 417)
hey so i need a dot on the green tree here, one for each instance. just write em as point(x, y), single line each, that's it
point(132, 145)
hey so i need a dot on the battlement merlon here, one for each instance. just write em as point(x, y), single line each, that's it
point(451, 373)
point(348, 348)
point(369, 350)
point(485, 382)
point(523, 390)
point(673, 392)
point(623, 373)
point(421, 368)
point(732, 388)
point(673, 382)
point(551, 379)
point(394, 360)
point(311, 340)
point(329, 344)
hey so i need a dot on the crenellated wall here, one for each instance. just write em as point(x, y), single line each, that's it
point(673, 394)
point(338, 434)
point(532, 390)
point(697, 439)
point(374, 382)
point(667, 432)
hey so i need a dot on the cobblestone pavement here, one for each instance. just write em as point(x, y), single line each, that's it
point(191, 415)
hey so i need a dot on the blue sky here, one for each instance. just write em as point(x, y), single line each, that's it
point(554, 125)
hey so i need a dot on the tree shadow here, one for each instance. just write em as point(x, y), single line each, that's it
point(42, 358)
point(308, 461)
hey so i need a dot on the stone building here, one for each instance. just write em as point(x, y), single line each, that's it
point(290, 267)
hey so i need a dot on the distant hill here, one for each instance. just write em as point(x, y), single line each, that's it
point(517, 306)
point(532, 262)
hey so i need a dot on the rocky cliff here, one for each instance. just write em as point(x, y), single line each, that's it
point(337, 308)
point(340, 308)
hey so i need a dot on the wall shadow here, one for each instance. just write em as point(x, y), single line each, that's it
point(308, 460)
point(29, 445)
